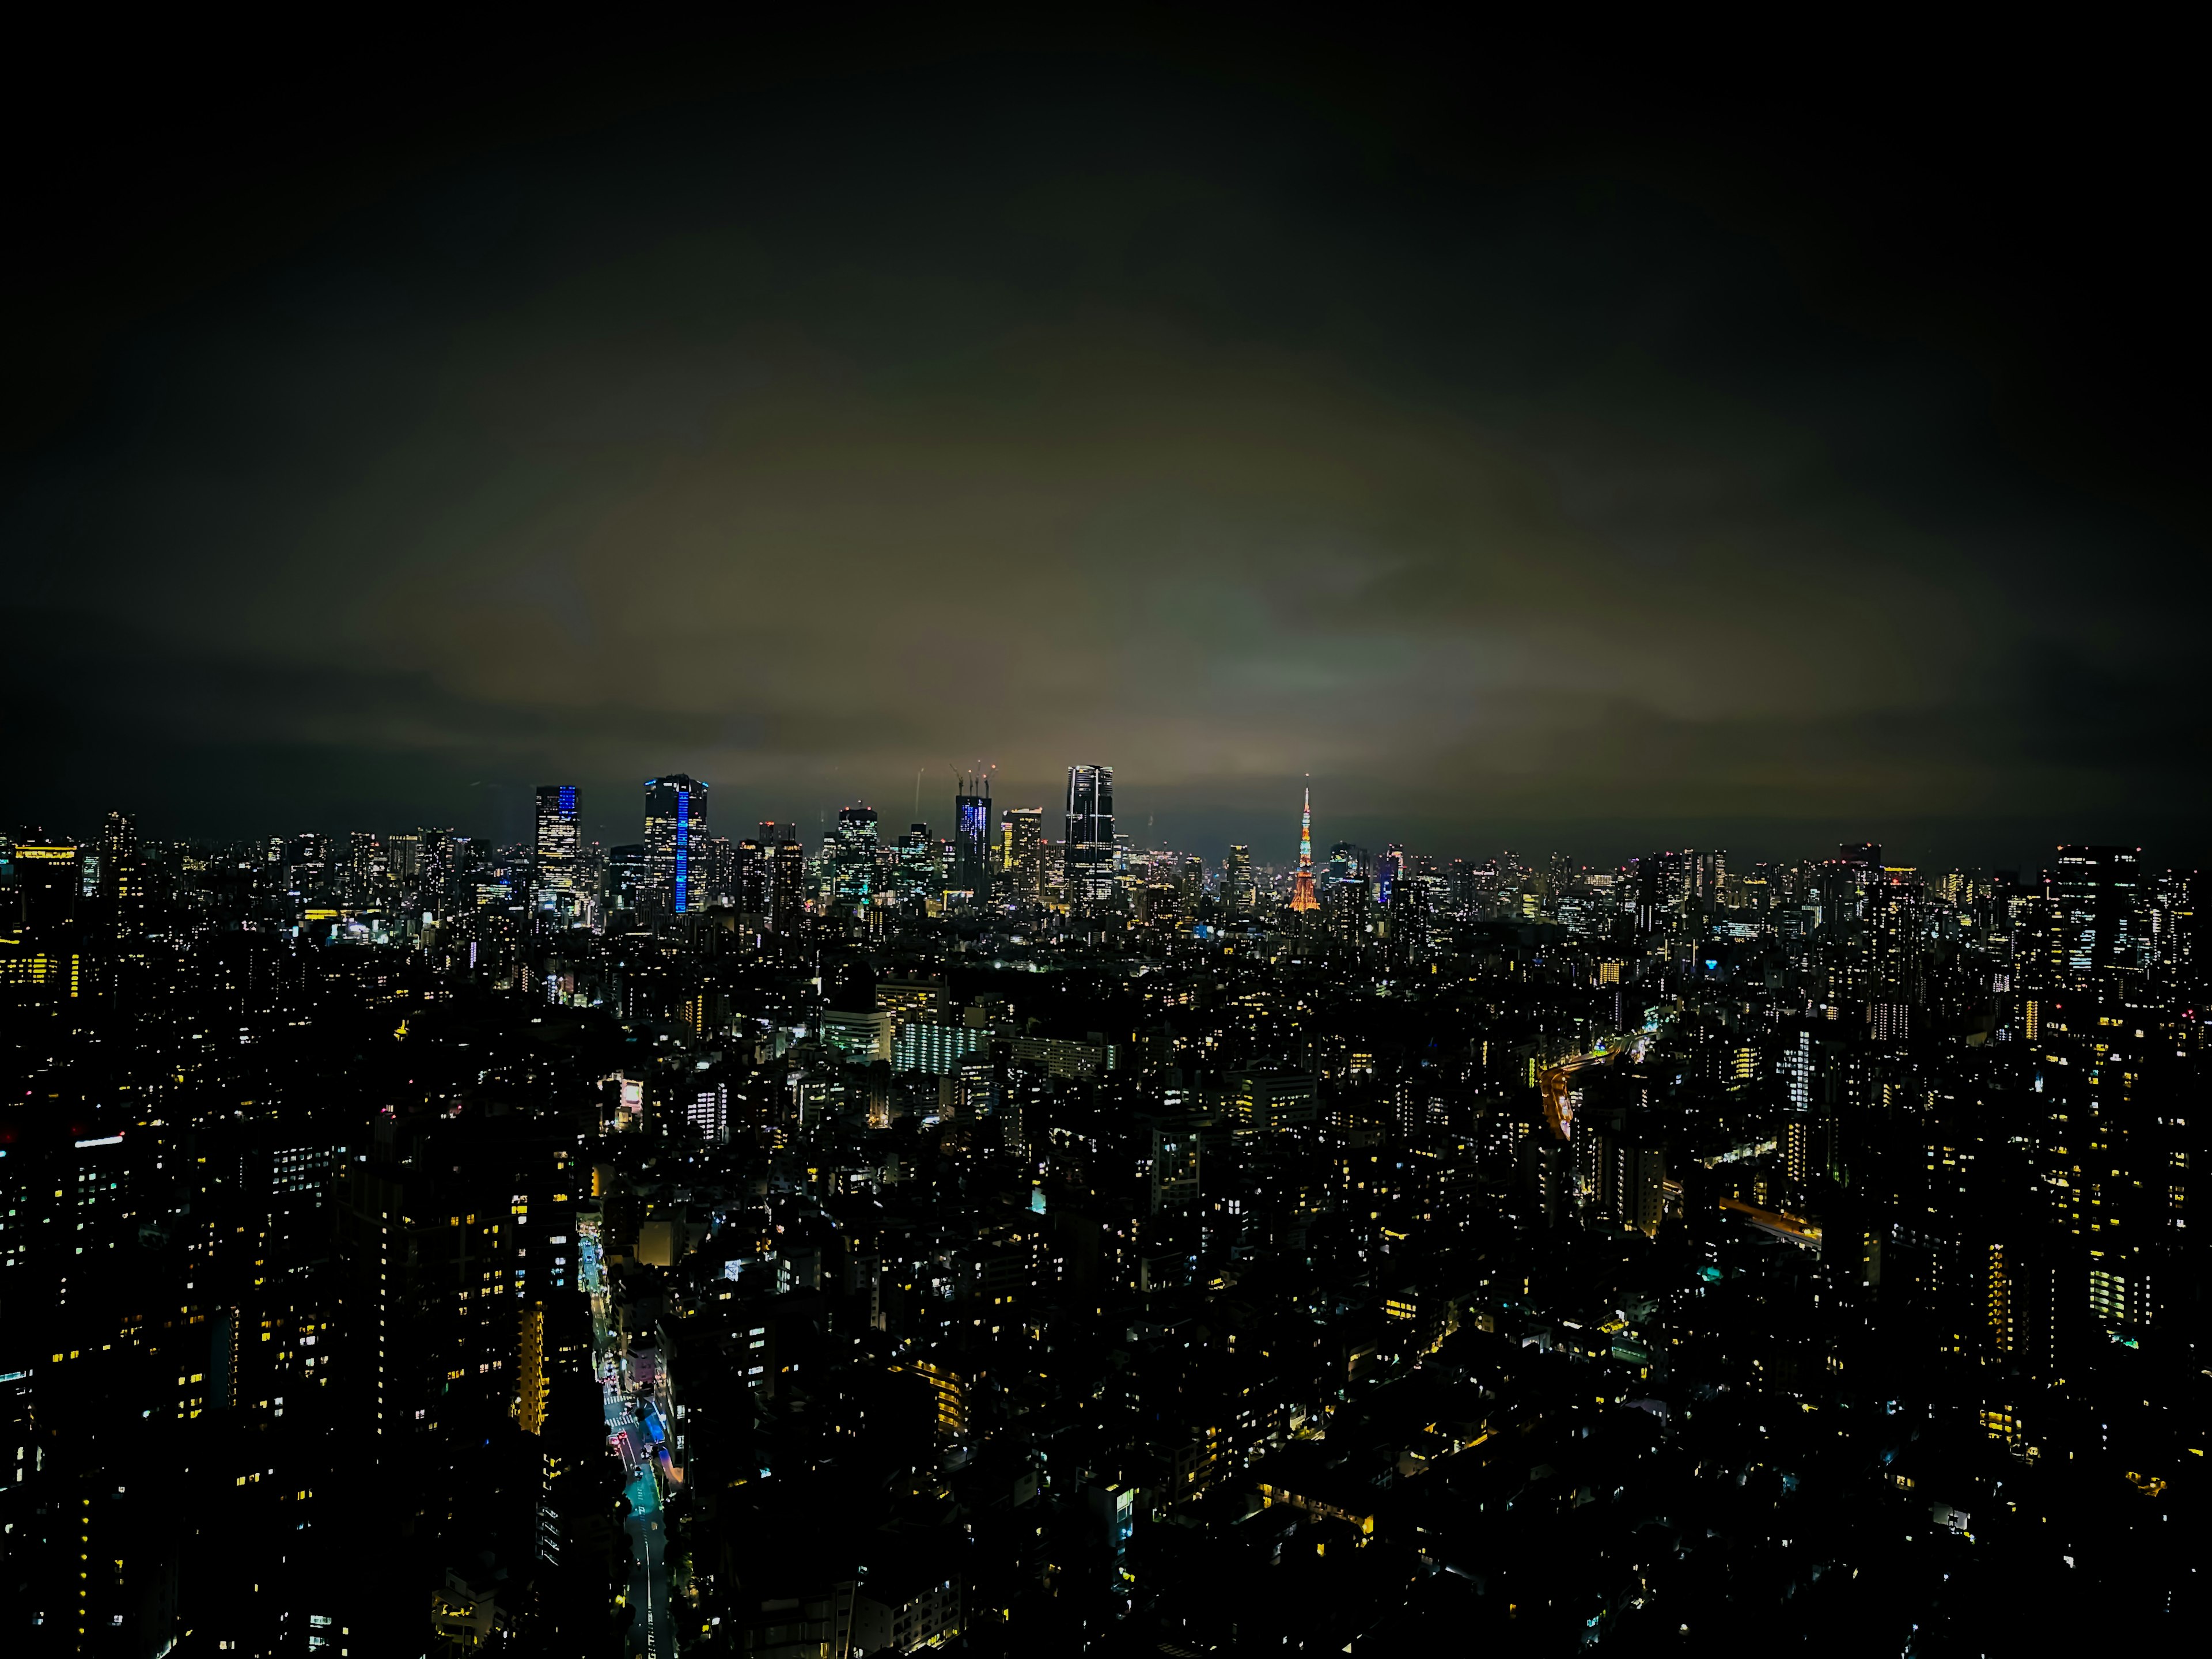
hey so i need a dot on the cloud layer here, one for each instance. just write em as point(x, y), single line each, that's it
point(1031, 410)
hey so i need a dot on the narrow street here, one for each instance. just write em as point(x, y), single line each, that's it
point(652, 1632)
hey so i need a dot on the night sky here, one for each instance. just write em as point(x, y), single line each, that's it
point(1581, 442)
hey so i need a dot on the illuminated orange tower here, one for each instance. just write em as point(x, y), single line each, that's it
point(1302, 892)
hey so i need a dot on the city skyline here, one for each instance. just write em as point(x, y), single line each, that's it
point(1915, 840)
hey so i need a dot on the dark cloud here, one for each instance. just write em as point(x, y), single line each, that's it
point(1560, 449)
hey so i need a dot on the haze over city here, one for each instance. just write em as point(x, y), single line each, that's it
point(1528, 453)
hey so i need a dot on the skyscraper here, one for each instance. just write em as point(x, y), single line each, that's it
point(1389, 873)
point(1025, 852)
point(916, 862)
point(403, 859)
point(1236, 880)
point(755, 875)
point(556, 846)
point(2096, 897)
point(366, 867)
point(675, 826)
point(1089, 836)
point(971, 838)
point(853, 846)
point(122, 882)
point(1302, 890)
point(787, 892)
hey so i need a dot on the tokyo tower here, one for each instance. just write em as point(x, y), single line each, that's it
point(1302, 893)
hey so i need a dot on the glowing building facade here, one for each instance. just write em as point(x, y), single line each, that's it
point(675, 831)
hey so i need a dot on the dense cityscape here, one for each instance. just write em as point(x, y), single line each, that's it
point(1024, 1240)
point(1175, 833)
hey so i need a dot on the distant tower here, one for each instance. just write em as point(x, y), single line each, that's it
point(1302, 893)
point(787, 890)
point(1236, 880)
point(853, 846)
point(971, 844)
point(1025, 828)
point(556, 846)
point(675, 833)
point(1090, 836)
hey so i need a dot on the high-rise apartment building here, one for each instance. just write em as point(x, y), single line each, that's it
point(366, 867)
point(1237, 893)
point(714, 873)
point(402, 858)
point(1089, 839)
point(1025, 828)
point(675, 831)
point(1896, 931)
point(755, 874)
point(122, 878)
point(787, 892)
point(118, 857)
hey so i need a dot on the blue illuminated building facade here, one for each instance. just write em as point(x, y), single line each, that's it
point(675, 829)
point(971, 845)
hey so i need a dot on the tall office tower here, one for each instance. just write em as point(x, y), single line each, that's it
point(675, 826)
point(1026, 851)
point(1344, 861)
point(629, 875)
point(2096, 899)
point(971, 838)
point(2170, 932)
point(366, 868)
point(1236, 894)
point(914, 865)
point(1658, 881)
point(403, 859)
point(557, 841)
point(787, 892)
point(755, 876)
point(1301, 885)
point(1393, 869)
point(1088, 861)
point(715, 872)
point(852, 846)
point(1704, 872)
point(1560, 877)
